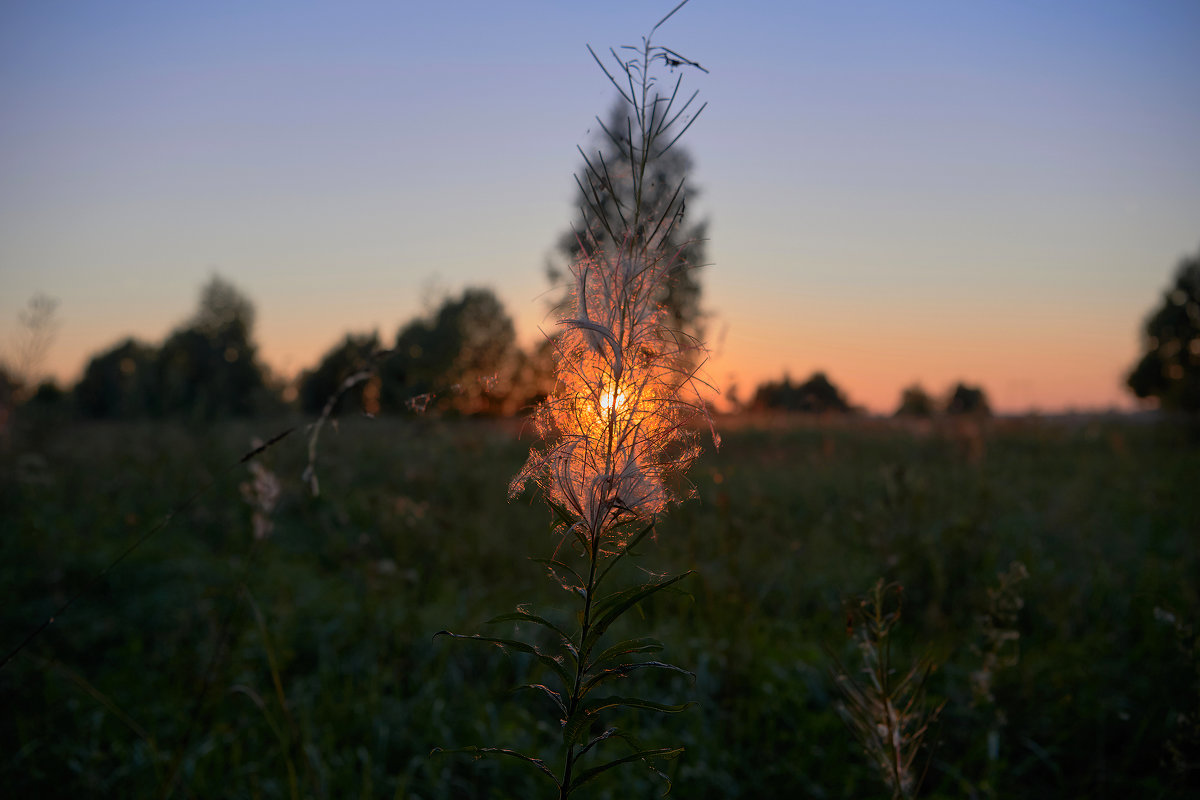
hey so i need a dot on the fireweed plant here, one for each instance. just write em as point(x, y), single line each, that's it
point(616, 433)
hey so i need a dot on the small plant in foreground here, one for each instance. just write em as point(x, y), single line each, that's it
point(886, 712)
point(261, 493)
point(615, 431)
point(999, 649)
point(1183, 744)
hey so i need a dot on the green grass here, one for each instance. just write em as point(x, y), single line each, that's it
point(342, 692)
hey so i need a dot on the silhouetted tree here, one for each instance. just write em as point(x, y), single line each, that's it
point(915, 402)
point(209, 367)
point(608, 210)
point(49, 395)
point(459, 356)
point(119, 383)
point(49, 405)
point(1170, 368)
point(351, 356)
point(965, 399)
point(817, 395)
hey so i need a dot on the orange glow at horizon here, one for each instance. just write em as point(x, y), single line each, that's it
point(1037, 374)
point(1022, 365)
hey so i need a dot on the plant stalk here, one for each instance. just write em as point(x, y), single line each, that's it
point(580, 663)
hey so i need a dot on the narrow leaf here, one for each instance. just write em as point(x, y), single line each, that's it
point(553, 564)
point(480, 752)
point(632, 542)
point(625, 669)
point(612, 607)
point(611, 601)
point(644, 644)
point(608, 75)
point(553, 695)
point(586, 712)
point(521, 615)
point(521, 647)
point(592, 707)
point(659, 752)
point(671, 143)
point(597, 740)
point(562, 512)
point(574, 725)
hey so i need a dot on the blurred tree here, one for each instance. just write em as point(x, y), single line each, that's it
point(209, 367)
point(459, 355)
point(817, 395)
point(532, 376)
point(223, 311)
point(607, 209)
point(48, 406)
point(915, 402)
point(119, 383)
point(1170, 368)
point(965, 399)
point(353, 355)
point(49, 395)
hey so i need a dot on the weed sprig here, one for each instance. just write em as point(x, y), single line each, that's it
point(887, 711)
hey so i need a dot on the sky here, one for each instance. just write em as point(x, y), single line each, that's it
point(897, 192)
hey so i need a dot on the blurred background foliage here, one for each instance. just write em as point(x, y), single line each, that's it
point(1170, 368)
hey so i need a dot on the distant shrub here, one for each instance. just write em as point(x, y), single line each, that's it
point(916, 402)
point(817, 395)
point(966, 399)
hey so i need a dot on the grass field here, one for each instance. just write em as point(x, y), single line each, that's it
point(211, 664)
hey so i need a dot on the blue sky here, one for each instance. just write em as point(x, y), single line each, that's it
point(898, 192)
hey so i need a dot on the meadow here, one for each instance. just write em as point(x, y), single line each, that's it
point(211, 663)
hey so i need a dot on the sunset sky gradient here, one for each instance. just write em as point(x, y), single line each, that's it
point(922, 191)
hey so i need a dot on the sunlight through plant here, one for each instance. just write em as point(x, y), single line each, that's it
point(616, 430)
point(617, 423)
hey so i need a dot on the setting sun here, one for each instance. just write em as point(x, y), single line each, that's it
point(612, 400)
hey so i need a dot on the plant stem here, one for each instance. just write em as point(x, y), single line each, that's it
point(580, 663)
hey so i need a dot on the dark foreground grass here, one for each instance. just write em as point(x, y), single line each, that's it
point(209, 665)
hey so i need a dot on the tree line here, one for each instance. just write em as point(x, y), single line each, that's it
point(459, 358)
point(462, 358)
point(819, 395)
